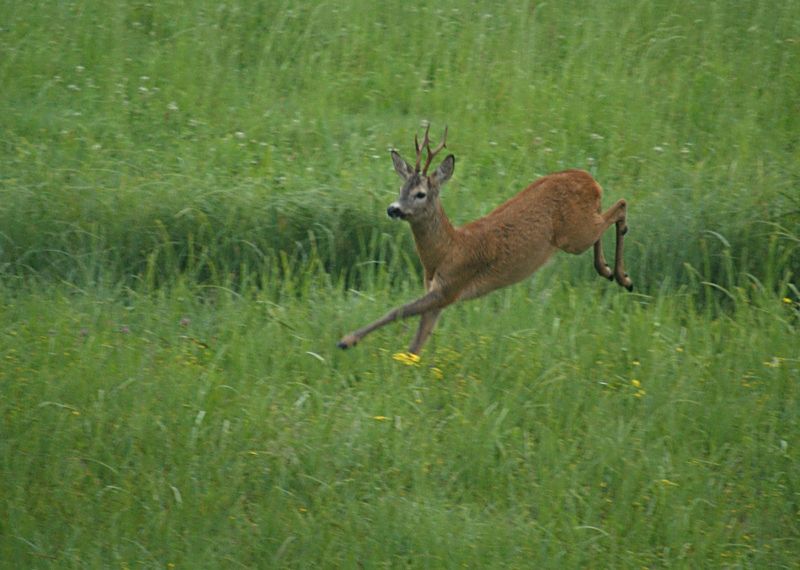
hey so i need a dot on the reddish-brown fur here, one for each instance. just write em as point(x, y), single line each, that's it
point(558, 211)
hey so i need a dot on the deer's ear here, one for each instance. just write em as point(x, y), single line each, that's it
point(402, 168)
point(445, 171)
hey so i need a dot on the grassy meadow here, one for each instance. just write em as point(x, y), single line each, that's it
point(192, 212)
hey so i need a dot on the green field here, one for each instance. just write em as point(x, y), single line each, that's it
point(192, 213)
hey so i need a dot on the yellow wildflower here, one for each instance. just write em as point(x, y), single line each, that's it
point(380, 418)
point(407, 358)
point(437, 373)
point(636, 383)
point(787, 300)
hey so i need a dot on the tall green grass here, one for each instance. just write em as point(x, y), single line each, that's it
point(580, 428)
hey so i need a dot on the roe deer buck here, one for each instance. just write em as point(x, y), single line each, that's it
point(558, 211)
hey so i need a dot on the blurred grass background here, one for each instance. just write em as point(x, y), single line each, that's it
point(209, 136)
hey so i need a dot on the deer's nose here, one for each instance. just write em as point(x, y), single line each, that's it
point(394, 211)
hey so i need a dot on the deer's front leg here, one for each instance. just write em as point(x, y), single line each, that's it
point(426, 323)
point(432, 300)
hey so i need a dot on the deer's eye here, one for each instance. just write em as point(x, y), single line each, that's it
point(419, 195)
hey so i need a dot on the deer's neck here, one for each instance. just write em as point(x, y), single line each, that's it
point(434, 237)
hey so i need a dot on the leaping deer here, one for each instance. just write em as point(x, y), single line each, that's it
point(558, 211)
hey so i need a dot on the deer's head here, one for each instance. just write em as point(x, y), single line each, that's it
point(420, 190)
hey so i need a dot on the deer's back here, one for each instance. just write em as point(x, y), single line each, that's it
point(543, 207)
point(518, 237)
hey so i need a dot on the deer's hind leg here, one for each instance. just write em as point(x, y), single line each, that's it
point(619, 267)
point(603, 221)
point(600, 264)
point(616, 214)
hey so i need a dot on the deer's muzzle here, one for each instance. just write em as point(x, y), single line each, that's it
point(395, 212)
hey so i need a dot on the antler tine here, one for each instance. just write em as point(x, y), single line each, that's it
point(434, 152)
point(426, 142)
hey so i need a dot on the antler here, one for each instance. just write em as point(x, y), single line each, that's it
point(426, 144)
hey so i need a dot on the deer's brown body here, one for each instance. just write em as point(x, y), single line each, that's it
point(559, 211)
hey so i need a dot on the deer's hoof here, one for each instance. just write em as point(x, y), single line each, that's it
point(347, 342)
point(623, 280)
point(604, 271)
